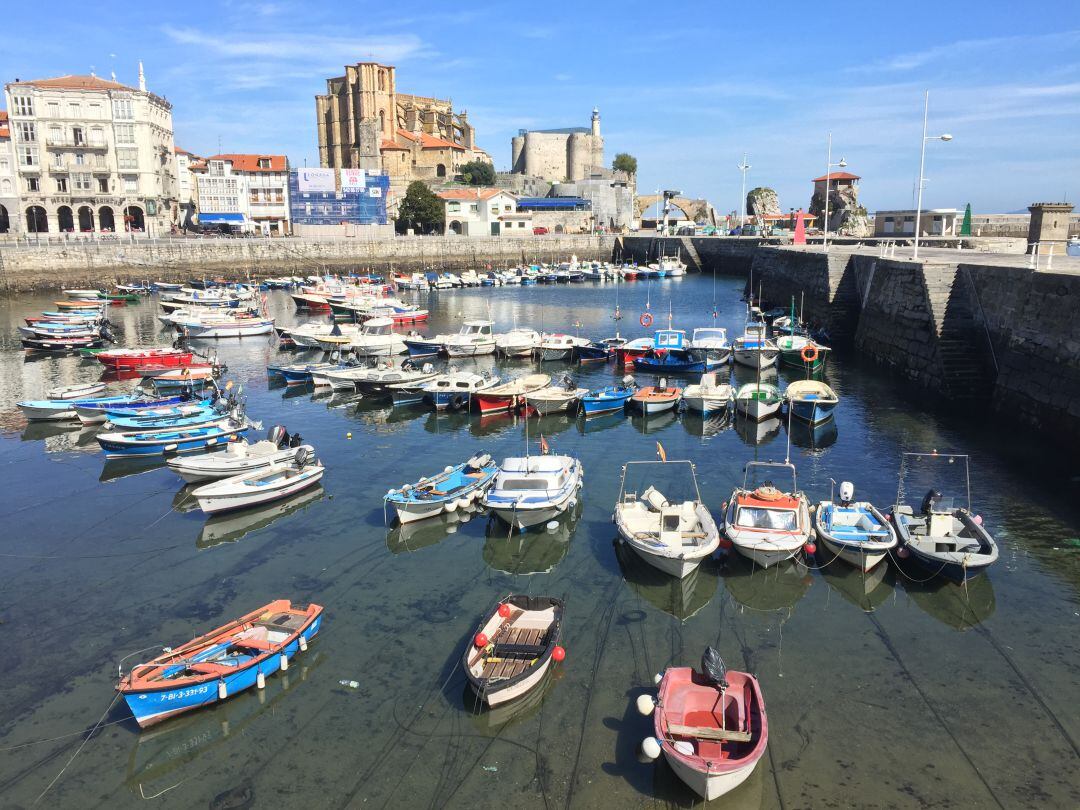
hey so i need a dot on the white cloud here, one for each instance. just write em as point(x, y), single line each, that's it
point(319, 48)
point(966, 47)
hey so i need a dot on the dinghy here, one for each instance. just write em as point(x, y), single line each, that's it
point(170, 441)
point(279, 480)
point(710, 726)
point(133, 359)
point(673, 537)
point(758, 401)
point(57, 410)
point(452, 489)
point(707, 396)
point(609, 399)
point(221, 663)
point(766, 524)
point(513, 647)
point(559, 398)
point(656, 399)
point(510, 394)
point(811, 401)
point(239, 457)
point(854, 531)
point(82, 391)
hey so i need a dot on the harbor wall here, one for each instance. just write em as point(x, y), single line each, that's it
point(98, 264)
point(1001, 338)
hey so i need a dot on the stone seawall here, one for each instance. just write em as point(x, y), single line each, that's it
point(90, 264)
point(993, 337)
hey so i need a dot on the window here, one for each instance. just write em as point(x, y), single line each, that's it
point(264, 163)
point(97, 137)
point(103, 185)
point(217, 168)
point(24, 105)
point(474, 208)
point(77, 136)
point(495, 210)
point(74, 110)
point(54, 109)
point(26, 131)
point(454, 207)
point(58, 159)
point(521, 224)
point(127, 159)
point(33, 184)
point(131, 184)
point(55, 135)
point(80, 159)
point(94, 111)
point(125, 133)
point(28, 156)
point(61, 185)
point(122, 108)
point(81, 181)
point(4, 164)
point(506, 208)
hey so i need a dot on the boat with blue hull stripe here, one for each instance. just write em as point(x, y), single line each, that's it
point(169, 442)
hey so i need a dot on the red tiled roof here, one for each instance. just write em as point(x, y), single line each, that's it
point(470, 193)
point(3, 116)
point(429, 141)
point(837, 176)
point(78, 83)
point(250, 163)
point(180, 151)
point(5, 132)
point(388, 145)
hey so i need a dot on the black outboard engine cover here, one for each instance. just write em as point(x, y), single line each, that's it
point(295, 440)
point(713, 669)
point(928, 502)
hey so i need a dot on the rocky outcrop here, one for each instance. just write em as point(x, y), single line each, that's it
point(761, 202)
point(846, 216)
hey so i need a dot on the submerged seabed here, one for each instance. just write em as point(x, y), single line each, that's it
point(881, 692)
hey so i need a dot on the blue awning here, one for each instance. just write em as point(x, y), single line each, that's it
point(221, 219)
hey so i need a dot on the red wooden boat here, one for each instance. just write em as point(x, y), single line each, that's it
point(711, 725)
point(129, 359)
point(509, 395)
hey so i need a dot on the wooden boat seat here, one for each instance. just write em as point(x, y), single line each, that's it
point(709, 733)
point(518, 650)
point(283, 621)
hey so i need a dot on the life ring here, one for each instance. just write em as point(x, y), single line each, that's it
point(457, 401)
point(646, 319)
point(809, 353)
point(767, 493)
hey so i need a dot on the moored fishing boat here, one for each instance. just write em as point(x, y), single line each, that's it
point(711, 343)
point(171, 441)
point(753, 348)
point(221, 663)
point(811, 401)
point(55, 410)
point(855, 531)
point(133, 359)
point(80, 391)
point(559, 346)
point(766, 524)
point(608, 399)
point(452, 489)
point(559, 398)
point(513, 647)
point(517, 342)
point(281, 479)
point(534, 490)
point(509, 395)
point(758, 401)
point(239, 457)
point(474, 339)
point(651, 399)
point(455, 389)
point(707, 396)
point(801, 351)
point(711, 726)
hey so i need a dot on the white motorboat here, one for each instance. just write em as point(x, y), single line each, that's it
point(517, 342)
point(240, 457)
point(376, 338)
point(84, 295)
point(227, 327)
point(474, 339)
point(534, 490)
point(854, 531)
point(710, 343)
point(455, 390)
point(758, 400)
point(673, 537)
point(707, 396)
point(383, 381)
point(811, 401)
point(306, 335)
point(81, 391)
point(766, 524)
point(559, 346)
point(559, 398)
point(269, 484)
point(753, 348)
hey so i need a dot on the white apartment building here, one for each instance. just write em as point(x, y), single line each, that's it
point(187, 187)
point(481, 212)
point(91, 156)
point(9, 198)
point(246, 193)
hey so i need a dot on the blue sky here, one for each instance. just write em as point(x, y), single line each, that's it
point(685, 87)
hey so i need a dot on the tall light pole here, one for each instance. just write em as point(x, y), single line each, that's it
point(828, 171)
point(743, 167)
point(922, 166)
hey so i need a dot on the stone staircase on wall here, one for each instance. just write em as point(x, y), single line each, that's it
point(967, 371)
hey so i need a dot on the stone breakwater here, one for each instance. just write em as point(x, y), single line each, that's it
point(986, 332)
point(102, 264)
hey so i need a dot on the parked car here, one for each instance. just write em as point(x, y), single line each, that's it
point(539, 230)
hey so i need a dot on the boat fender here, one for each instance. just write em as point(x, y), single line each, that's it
point(457, 402)
point(284, 664)
point(169, 448)
point(448, 469)
point(222, 690)
point(810, 548)
point(657, 678)
point(211, 442)
point(558, 654)
point(451, 506)
point(462, 503)
point(303, 643)
point(903, 552)
point(645, 705)
point(650, 747)
point(260, 680)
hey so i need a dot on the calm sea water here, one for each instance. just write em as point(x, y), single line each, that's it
point(881, 692)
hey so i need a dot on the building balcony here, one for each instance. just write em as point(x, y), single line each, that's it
point(70, 143)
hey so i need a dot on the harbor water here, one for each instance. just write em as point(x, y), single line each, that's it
point(883, 690)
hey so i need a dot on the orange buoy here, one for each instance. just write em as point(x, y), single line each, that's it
point(646, 319)
point(809, 353)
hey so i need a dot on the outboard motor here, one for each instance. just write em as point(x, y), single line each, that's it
point(662, 384)
point(295, 440)
point(278, 435)
point(847, 493)
point(428, 368)
point(407, 365)
point(713, 669)
point(303, 456)
point(629, 381)
point(932, 497)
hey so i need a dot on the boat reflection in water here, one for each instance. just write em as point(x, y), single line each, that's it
point(605, 421)
point(868, 590)
point(774, 588)
point(61, 437)
point(116, 468)
point(486, 718)
point(816, 437)
point(454, 421)
point(757, 434)
point(681, 598)
point(186, 746)
point(695, 425)
point(405, 538)
point(653, 423)
point(233, 526)
point(183, 501)
point(961, 607)
point(532, 552)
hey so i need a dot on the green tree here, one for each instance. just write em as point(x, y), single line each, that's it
point(420, 209)
point(478, 173)
point(625, 163)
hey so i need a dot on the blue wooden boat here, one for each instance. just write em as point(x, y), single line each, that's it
point(183, 416)
point(674, 361)
point(62, 409)
point(171, 441)
point(418, 346)
point(812, 401)
point(221, 663)
point(607, 400)
point(300, 373)
point(453, 488)
point(599, 351)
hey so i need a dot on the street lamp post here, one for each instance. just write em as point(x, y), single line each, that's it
point(828, 171)
point(743, 167)
point(922, 166)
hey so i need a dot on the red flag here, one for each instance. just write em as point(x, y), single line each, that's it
point(544, 449)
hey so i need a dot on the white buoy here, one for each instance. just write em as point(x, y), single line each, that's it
point(222, 690)
point(650, 747)
point(303, 643)
point(260, 680)
point(552, 526)
point(646, 705)
point(657, 678)
point(448, 469)
point(284, 662)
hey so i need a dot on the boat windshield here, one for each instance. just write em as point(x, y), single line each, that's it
point(710, 334)
point(524, 483)
point(376, 330)
point(784, 520)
